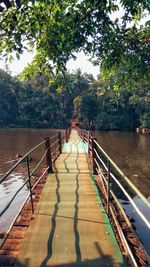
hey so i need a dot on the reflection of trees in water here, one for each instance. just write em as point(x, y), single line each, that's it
point(131, 152)
point(116, 189)
point(114, 186)
point(19, 141)
point(143, 142)
point(12, 142)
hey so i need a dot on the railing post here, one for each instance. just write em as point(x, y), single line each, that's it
point(108, 186)
point(69, 131)
point(89, 141)
point(83, 136)
point(30, 187)
point(94, 148)
point(48, 154)
point(66, 135)
point(59, 142)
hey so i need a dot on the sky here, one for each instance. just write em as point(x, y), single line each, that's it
point(82, 62)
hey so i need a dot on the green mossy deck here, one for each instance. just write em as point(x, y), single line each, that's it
point(70, 226)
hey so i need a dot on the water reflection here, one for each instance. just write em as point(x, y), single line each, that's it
point(131, 152)
point(13, 142)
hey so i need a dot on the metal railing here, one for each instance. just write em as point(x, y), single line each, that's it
point(111, 176)
point(111, 165)
point(53, 148)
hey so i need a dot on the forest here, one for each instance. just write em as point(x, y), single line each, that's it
point(44, 101)
point(110, 32)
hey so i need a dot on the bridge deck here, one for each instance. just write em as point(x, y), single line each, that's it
point(70, 226)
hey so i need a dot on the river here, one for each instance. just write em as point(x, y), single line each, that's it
point(13, 142)
point(130, 151)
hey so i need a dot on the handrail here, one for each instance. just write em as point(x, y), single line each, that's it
point(128, 197)
point(50, 159)
point(131, 201)
point(123, 175)
point(53, 137)
point(98, 158)
point(101, 175)
point(118, 169)
point(19, 161)
point(13, 197)
point(56, 142)
point(20, 188)
point(23, 204)
point(39, 163)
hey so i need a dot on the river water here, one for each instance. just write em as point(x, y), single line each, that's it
point(130, 151)
point(13, 142)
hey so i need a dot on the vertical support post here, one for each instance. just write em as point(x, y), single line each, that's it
point(89, 142)
point(94, 148)
point(83, 136)
point(80, 133)
point(70, 128)
point(48, 154)
point(59, 142)
point(66, 135)
point(30, 187)
point(108, 186)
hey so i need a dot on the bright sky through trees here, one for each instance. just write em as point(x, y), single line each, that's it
point(82, 62)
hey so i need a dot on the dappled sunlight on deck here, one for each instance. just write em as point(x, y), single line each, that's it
point(70, 226)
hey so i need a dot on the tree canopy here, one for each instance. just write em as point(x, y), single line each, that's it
point(58, 29)
point(96, 103)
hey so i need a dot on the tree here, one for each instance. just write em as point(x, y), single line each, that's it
point(88, 110)
point(80, 82)
point(40, 103)
point(58, 29)
point(77, 105)
point(132, 68)
point(8, 104)
point(32, 111)
point(145, 119)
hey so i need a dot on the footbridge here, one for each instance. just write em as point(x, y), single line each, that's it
point(68, 217)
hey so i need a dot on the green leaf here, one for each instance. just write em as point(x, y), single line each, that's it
point(18, 56)
point(11, 58)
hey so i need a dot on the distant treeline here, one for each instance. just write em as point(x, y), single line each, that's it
point(45, 101)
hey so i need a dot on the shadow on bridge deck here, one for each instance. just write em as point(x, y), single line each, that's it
point(70, 226)
point(103, 261)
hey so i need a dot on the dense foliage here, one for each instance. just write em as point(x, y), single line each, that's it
point(58, 29)
point(50, 102)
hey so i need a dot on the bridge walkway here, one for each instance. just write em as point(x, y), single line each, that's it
point(70, 226)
